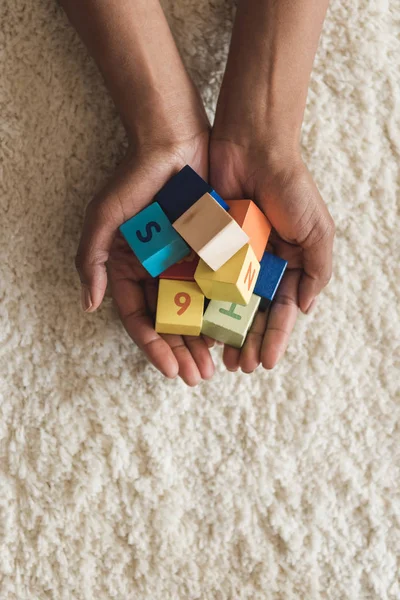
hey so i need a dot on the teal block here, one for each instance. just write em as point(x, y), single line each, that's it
point(153, 239)
point(228, 322)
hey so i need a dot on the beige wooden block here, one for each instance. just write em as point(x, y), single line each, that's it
point(212, 233)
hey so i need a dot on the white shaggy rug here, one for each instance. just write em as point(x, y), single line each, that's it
point(117, 484)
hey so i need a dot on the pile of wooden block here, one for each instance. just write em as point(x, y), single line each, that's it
point(209, 251)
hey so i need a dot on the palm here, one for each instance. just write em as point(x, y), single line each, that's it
point(133, 289)
point(286, 193)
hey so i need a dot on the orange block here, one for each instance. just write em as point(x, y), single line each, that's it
point(253, 222)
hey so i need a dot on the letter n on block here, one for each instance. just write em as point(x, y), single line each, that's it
point(234, 281)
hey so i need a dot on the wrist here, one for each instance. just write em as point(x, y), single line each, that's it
point(162, 120)
point(258, 136)
point(256, 119)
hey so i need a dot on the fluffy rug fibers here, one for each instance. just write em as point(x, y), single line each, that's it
point(118, 484)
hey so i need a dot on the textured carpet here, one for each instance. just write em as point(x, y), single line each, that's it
point(117, 484)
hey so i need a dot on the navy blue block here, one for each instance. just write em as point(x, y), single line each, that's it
point(218, 198)
point(272, 269)
point(264, 305)
point(181, 192)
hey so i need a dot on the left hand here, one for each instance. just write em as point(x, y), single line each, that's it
point(132, 187)
point(303, 231)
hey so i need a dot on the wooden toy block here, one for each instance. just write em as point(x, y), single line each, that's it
point(234, 281)
point(272, 269)
point(180, 307)
point(211, 231)
point(153, 239)
point(228, 322)
point(220, 201)
point(184, 269)
point(180, 192)
point(253, 221)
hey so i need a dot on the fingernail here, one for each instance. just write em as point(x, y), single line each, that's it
point(311, 307)
point(86, 300)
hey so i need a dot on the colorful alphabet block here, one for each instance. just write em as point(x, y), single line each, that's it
point(234, 281)
point(221, 202)
point(184, 269)
point(211, 231)
point(180, 192)
point(207, 259)
point(153, 239)
point(228, 322)
point(253, 221)
point(180, 307)
point(272, 269)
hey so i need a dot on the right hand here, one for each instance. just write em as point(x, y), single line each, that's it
point(102, 249)
point(303, 232)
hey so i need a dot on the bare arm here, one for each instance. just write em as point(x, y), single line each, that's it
point(268, 70)
point(134, 49)
point(167, 127)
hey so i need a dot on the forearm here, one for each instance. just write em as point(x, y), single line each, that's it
point(133, 47)
point(270, 60)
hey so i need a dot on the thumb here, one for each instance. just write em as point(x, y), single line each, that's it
point(317, 260)
point(99, 227)
point(126, 193)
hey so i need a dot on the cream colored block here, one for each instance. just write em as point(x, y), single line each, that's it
point(180, 307)
point(212, 233)
point(228, 322)
point(234, 281)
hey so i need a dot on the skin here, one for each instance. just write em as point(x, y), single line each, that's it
point(253, 152)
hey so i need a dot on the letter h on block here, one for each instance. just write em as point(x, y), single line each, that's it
point(228, 322)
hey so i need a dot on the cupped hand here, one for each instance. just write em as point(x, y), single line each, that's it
point(303, 231)
point(103, 250)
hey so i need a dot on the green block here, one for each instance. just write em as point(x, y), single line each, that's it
point(228, 322)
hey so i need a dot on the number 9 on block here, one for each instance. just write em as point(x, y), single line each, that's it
point(180, 307)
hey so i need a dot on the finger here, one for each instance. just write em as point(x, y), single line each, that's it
point(129, 298)
point(187, 368)
point(94, 248)
point(116, 203)
point(317, 261)
point(250, 356)
point(231, 358)
point(201, 355)
point(209, 341)
point(281, 320)
point(197, 346)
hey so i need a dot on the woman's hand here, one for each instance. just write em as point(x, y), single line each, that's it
point(167, 127)
point(303, 230)
point(136, 181)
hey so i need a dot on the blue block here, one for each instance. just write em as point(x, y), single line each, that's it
point(218, 198)
point(272, 269)
point(153, 239)
point(181, 192)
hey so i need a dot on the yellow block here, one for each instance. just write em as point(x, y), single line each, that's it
point(179, 307)
point(234, 281)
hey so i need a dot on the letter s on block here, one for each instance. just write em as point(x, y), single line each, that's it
point(149, 234)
